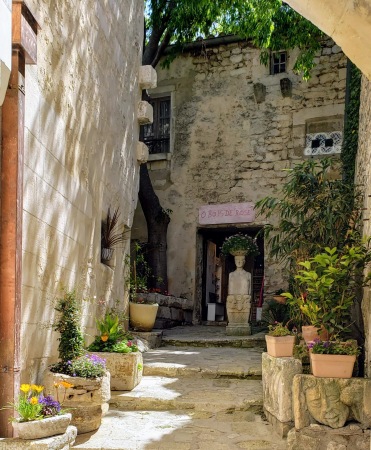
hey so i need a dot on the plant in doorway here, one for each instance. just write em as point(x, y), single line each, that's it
point(240, 244)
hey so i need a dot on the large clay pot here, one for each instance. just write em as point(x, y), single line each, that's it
point(332, 366)
point(310, 333)
point(38, 429)
point(143, 315)
point(280, 346)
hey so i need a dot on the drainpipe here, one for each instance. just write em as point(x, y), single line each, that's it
point(24, 29)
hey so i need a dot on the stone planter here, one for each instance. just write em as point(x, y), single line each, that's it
point(88, 398)
point(332, 366)
point(126, 369)
point(142, 315)
point(280, 346)
point(38, 429)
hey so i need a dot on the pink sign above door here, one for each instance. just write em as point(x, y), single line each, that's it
point(226, 213)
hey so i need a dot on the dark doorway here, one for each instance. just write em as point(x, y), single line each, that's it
point(216, 268)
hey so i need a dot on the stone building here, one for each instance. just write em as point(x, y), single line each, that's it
point(69, 143)
point(225, 129)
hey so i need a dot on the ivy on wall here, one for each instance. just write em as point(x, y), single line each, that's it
point(351, 125)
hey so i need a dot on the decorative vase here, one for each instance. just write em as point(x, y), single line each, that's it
point(332, 366)
point(280, 346)
point(310, 333)
point(126, 369)
point(88, 398)
point(143, 315)
point(38, 429)
point(279, 299)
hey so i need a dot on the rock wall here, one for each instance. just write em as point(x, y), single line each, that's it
point(228, 147)
point(80, 158)
point(363, 178)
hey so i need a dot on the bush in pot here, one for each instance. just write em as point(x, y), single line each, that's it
point(123, 358)
point(280, 340)
point(89, 392)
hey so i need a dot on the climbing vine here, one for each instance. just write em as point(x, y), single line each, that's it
point(350, 143)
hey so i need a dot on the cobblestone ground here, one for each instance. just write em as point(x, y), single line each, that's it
point(191, 398)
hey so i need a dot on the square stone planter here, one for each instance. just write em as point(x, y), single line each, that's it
point(88, 398)
point(126, 369)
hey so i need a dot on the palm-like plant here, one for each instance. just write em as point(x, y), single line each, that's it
point(111, 234)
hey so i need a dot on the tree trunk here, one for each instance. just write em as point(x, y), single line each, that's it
point(157, 223)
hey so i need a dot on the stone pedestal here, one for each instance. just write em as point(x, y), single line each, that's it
point(277, 376)
point(238, 311)
point(320, 437)
point(87, 399)
point(60, 442)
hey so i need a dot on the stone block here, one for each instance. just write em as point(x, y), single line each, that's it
point(320, 437)
point(59, 442)
point(331, 401)
point(147, 77)
point(142, 153)
point(145, 113)
point(277, 377)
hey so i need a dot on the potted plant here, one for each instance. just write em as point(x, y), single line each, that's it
point(333, 359)
point(278, 297)
point(90, 381)
point(123, 358)
point(280, 340)
point(240, 245)
point(142, 312)
point(328, 284)
point(39, 416)
point(111, 235)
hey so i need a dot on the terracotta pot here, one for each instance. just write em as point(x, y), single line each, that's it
point(332, 366)
point(280, 346)
point(38, 429)
point(279, 299)
point(310, 333)
point(143, 315)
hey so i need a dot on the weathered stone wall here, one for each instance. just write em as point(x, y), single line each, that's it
point(363, 178)
point(229, 148)
point(80, 143)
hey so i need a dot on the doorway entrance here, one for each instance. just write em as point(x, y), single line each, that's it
point(215, 269)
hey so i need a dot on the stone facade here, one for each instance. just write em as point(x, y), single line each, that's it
point(81, 137)
point(233, 132)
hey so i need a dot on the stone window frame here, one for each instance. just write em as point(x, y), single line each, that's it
point(279, 66)
point(161, 92)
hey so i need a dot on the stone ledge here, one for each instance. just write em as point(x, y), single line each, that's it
point(280, 428)
point(60, 442)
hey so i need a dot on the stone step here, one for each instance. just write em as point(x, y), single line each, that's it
point(156, 393)
point(204, 362)
point(253, 341)
point(181, 430)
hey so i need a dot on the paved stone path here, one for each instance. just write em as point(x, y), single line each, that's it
point(190, 398)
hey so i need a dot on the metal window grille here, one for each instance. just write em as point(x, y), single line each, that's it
point(157, 134)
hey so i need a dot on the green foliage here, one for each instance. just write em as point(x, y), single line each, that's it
point(125, 346)
point(71, 340)
point(350, 142)
point(328, 285)
point(314, 211)
point(87, 366)
point(279, 329)
point(334, 347)
point(274, 312)
point(269, 24)
point(240, 242)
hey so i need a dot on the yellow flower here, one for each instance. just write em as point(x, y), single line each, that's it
point(34, 400)
point(104, 337)
point(66, 384)
point(25, 388)
point(37, 388)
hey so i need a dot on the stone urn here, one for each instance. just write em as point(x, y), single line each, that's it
point(43, 428)
point(87, 399)
point(126, 369)
point(143, 315)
